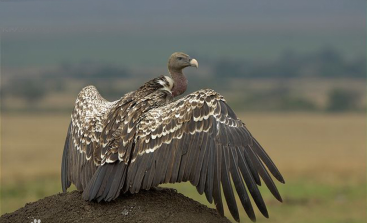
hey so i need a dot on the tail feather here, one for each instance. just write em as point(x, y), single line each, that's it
point(106, 183)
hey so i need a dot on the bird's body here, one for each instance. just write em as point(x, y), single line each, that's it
point(146, 138)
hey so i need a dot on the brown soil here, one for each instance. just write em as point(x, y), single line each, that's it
point(147, 206)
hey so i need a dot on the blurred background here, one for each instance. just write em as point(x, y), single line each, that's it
point(294, 71)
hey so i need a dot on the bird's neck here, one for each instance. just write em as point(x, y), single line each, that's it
point(180, 82)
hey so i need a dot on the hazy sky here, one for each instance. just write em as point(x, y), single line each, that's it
point(40, 32)
point(204, 14)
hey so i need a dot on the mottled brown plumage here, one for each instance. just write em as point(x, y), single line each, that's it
point(146, 138)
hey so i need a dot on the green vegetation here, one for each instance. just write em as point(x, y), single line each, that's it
point(278, 99)
point(342, 100)
point(327, 62)
point(278, 82)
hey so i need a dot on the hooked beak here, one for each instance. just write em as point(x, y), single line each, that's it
point(193, 63)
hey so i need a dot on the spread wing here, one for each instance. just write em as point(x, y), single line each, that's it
point(133, 144)
point(82, 150)
point(200, 139)
point(102, 132)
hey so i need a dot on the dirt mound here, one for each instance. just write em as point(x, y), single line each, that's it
point(147, 206)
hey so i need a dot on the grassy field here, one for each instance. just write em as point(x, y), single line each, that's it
point(323, 158)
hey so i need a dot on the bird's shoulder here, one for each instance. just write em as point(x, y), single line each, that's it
point(156, 84)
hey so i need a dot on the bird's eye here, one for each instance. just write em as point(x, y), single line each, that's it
point(180, 58)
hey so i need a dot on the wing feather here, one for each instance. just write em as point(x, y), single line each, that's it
point(65, 162)
point(252, 167)
point(184, 159)
point(173, 151)
point(138, 179)
point(167, 157)
point(178, 158)
point(209, 186)
point(226, 184)
point(217, 180)
point(193, 155)
point(197, 167)
point(159, 165)
point(264, 174)
point(204, 168)
point(267, 160)
point(152, 171)
point(252, 187)
point(239, 184)
point(207, 145)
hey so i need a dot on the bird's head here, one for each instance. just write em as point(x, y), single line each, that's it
point(179, 60)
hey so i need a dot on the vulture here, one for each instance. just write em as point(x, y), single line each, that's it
point(148, 137)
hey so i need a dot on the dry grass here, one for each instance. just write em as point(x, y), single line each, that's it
point(323, 158)
point(324, 146)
